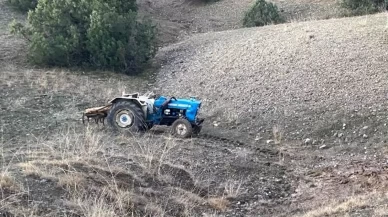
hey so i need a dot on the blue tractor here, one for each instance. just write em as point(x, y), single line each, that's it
point(138, 113)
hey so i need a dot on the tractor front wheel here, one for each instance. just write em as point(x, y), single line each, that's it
point(182, 128)
point(126, 115)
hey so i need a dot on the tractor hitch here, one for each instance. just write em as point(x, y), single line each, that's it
point(199, 121)
point(98, 114)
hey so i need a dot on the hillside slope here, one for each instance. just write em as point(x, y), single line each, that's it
point(179, 19)
point(309, 78)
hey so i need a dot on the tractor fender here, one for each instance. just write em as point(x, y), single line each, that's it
point(137, 101)
point(147, 105)
point(142, 104)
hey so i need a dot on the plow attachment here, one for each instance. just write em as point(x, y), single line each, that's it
point(98, 114)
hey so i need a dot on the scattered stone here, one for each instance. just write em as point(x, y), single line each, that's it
point(323, 147)
point(307, 141)
point(365, 128)
point(4, 213)
point(270, 141)
point(365, 136)
point(340, 135)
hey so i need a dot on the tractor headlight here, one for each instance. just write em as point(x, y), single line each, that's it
point(167, 112)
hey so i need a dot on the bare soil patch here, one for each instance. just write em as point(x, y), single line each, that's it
point(312, 79)
point(180, 19)
point(314, 90)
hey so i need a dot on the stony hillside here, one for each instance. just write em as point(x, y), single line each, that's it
point(309, 78)
point(296, 121)
point(315, 90)
point(180, 19)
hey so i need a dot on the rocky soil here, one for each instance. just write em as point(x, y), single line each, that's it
point(318, 80)
point(295, 121)
point(180, 19)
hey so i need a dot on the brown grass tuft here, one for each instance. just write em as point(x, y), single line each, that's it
point(219, 203)
point(8, 182)
point(71, 180)
point(29, 168)
point(351, 204)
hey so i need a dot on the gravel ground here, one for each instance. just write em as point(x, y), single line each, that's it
point(12, 48)
point(309, 78)
point(179, 19)
point(315, 80)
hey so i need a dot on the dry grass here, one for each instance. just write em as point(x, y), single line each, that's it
point(375, 201)
point(219, 203)
point(87, 166)
point(101, 205)
point(72, 180)
point(60, 81)
point(10, 192)
point(381, 210)
point(232, 188)
point(8, 182)
point(30, 169)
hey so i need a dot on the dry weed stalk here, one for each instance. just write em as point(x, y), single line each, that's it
point(343, 207)
point(7, 182)
point(233, 188)
point(278, 136)
point(219, 203)
point(152, 154)
point(94, 206)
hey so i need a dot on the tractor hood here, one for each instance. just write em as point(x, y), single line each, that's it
point(185, 103)
point(179, 103)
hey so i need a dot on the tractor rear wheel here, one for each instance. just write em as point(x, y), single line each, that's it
point(182, 128)
point(126, 115)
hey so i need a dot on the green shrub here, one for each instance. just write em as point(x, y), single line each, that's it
point(362, 7)
point(262, 13)
point(104, 34)
point(23, 5)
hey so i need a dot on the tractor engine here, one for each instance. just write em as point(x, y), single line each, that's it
point(174, 112)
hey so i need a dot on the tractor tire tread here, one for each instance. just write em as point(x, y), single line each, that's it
point(137, 112)
point(186, 123)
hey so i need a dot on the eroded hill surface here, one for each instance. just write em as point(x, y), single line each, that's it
point(312, 79)
point(314, 90)
point(180, 19)
point(321, 83)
